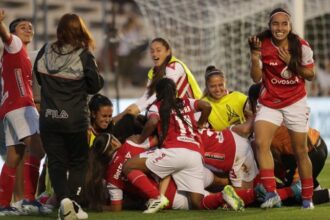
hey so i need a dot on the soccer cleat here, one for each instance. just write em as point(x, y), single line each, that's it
point(296, 189)
point(154, 205)
point(307, 204)
point(232, 199)
point(272, 200)
point(260, 192)
point(35, 207)
point(4, 211)
point(81, 214)
point(66, 210)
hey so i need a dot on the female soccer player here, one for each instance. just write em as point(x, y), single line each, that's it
point(165, 65)
point(101, 109)
point(228, 107)
point(106, 161)
point(283, 61)
point(20, 117)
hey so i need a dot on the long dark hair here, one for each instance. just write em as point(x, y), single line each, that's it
point(98, 160)
point(293, 39)
point(166, 93)
point(94, 105)
point(128, 125)
point(159, 72)
point(95, 193)
point(253, 94)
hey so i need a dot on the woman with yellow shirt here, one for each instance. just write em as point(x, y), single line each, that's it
point(228, 108)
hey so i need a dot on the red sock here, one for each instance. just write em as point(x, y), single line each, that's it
point(247, 195)
point(285, 192)
point(7, 181)
point(307, 188)
point(267, 179)
point(142, 182)
point(31, 176)
point(212, 201)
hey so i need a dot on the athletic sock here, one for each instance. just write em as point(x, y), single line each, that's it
point(7, 181)
point(267, 179)
point(212, 201)
point(247, 195)
point(31, 175)
point(307, 188)
point(138, 179)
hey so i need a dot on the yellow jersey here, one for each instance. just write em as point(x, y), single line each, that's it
point(227, 111)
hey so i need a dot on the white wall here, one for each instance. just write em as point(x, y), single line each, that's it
point(320, 116)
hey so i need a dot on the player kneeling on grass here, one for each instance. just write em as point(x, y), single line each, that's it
point(180, 155)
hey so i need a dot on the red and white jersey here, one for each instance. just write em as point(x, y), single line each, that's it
point(220, 149)
point(16, 77)
point(116, 180)
point(180, 134)
point(174, 71)
point(281, 87)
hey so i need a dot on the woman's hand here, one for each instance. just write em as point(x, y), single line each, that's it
point(284, 55)
point(255, 44)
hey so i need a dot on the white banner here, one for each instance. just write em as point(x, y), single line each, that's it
point(320, 117)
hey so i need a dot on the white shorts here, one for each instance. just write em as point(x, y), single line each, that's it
point(20, 123)
point(295, 116)
point(185, 166)
point(244, 167)
point(181, 202)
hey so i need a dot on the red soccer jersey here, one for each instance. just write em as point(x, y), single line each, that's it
point(180, 134)
point(16, 77)
point(128, 150)
point(281, 87)
point(220, 149)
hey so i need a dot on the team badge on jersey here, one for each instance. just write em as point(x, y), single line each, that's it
point(286, 74)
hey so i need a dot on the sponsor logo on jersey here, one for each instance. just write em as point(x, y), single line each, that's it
point(231, 113)
point(128, 155)
point(187, 139)
point(275, 81)
point(118, 171)
point(155, 160)
point(20, 82)
point(273, 63)
point(216, 156)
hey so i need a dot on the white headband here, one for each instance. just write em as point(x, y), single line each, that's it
point(279, 13)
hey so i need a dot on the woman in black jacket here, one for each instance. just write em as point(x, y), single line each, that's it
point(67, 73)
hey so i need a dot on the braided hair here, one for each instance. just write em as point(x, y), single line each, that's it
point(166, 93)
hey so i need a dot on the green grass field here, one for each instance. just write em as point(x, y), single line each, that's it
point(285, 213)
